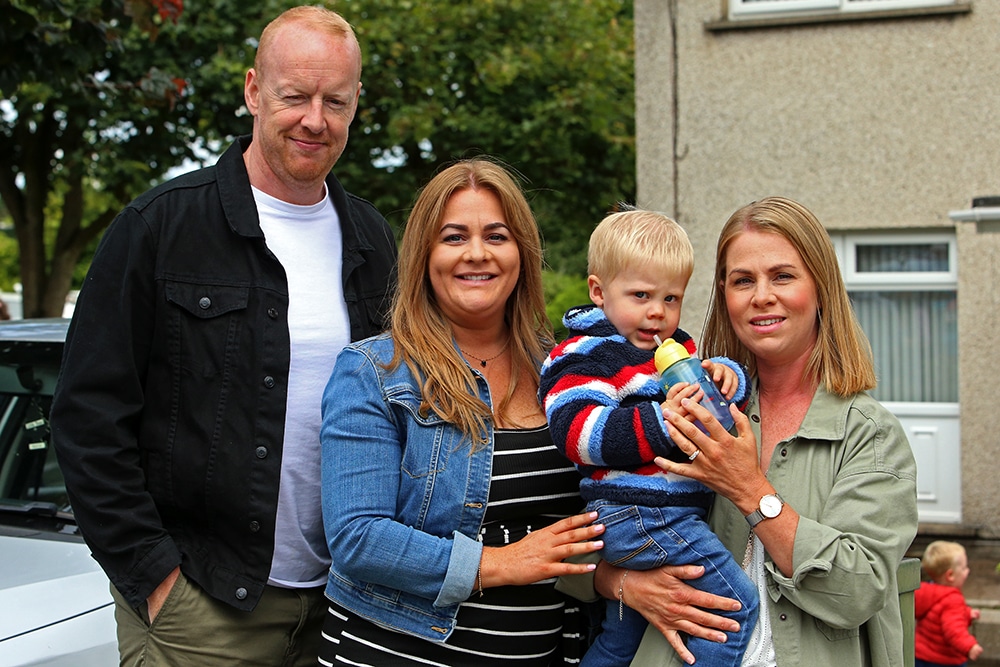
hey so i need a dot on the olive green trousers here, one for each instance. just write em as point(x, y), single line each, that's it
point(194, 629)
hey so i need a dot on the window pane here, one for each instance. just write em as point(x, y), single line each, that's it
point(914, 337)
point(902, 258)
point(738, 7)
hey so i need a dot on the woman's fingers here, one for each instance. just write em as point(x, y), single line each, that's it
point(682, 430)
point(541, 553)
point(672, 606)
point(573, 522)
point(674, 639)
point(578, 530)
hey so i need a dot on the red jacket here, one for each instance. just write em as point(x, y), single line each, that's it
point(943, 621)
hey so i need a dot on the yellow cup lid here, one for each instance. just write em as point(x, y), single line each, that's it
point(669, 352)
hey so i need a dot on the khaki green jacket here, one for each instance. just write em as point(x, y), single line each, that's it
point(850, 474)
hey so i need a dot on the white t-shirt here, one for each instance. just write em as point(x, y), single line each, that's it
point(307, 242)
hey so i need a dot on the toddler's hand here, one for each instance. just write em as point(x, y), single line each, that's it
point(724, 377)
point(975, 652)
point(676, 394)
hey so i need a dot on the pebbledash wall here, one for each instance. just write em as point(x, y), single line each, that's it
point(883, 118)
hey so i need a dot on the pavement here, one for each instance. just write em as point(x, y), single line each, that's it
point(982, 588)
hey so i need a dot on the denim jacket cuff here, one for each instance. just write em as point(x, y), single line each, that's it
point(460, 579)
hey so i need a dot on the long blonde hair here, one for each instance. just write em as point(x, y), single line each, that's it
point(422, 334)
point(842, 357)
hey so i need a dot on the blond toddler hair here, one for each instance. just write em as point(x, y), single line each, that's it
point(939, 557)
point(636, 237)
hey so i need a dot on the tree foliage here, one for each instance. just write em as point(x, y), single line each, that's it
point(102, 98)
point(545, 86)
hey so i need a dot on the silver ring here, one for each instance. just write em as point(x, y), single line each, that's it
point(694, 455)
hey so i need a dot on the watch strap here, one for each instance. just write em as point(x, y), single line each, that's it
point(757, 515)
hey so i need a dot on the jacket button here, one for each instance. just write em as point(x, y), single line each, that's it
point(204, 303)
point(755, 418)
point(254, 526)
point(269, 382)
point(241, 594)
point(784, 451)
point(272, 313)
point(783, 617)
point(261, 452)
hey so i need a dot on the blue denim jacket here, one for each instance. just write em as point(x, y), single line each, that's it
point(403, 496)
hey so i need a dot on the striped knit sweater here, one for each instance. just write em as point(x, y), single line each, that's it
point(602, 399)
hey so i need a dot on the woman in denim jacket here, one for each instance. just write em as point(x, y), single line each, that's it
point(443, 495)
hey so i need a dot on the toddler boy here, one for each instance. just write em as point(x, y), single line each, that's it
point(605, 407)
point(943, 618)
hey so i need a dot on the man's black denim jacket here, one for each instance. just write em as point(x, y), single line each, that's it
point(169, 414)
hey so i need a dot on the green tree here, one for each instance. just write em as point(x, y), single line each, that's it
point(545, 86)
point(562, 292)
point(101, 99)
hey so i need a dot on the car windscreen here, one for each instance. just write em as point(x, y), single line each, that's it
point(30, 479)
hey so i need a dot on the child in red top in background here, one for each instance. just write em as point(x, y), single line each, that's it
point(943, 618)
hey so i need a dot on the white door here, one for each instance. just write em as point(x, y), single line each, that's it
point(903, 288)
point(934, 435)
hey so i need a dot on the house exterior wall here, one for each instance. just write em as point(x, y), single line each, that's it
point(886, 124)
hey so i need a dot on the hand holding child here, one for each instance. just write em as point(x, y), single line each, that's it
point(542, 553)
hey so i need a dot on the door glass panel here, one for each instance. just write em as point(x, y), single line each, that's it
point(914, 337)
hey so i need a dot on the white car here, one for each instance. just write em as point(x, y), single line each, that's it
point(55, 603)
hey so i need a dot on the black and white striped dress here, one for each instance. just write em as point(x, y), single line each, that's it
point(532, 486)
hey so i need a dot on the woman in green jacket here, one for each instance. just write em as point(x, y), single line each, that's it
point(817, 492)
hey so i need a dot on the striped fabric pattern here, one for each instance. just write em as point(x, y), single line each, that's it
point(602, 398)
point(531, 486)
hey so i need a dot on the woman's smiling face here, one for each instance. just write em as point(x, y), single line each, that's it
point(771, 298)
point(475, 262)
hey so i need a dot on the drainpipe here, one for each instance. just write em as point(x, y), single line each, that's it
point(983, 209)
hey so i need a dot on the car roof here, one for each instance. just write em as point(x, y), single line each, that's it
point(33, 337)
point(43, 330)
point(30, 353)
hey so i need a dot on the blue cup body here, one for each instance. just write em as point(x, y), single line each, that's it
point(690, 371)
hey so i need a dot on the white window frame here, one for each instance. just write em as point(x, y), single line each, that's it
point(759, 8)
point(846, 244)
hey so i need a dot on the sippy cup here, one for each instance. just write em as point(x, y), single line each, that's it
point(675, 365)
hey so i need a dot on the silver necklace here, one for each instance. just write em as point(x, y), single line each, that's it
point(482, 362)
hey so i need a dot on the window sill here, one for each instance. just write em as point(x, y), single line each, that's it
point(838, 17)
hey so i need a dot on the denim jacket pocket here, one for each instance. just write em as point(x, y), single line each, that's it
point(207, 326)
point(206, 301)
point(426, 454)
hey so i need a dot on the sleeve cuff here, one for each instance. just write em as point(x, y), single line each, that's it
point(742, 391)
point(460, 579)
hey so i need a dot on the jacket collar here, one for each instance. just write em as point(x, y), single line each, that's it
point(826, 418)
point(241, 212)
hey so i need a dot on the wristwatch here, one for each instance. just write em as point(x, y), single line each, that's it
point(770, 507)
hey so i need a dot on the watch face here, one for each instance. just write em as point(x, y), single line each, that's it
point(770, 506)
